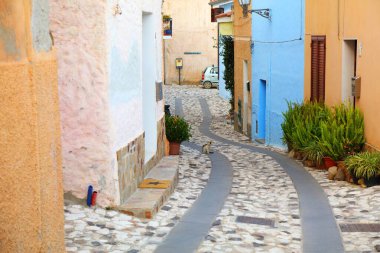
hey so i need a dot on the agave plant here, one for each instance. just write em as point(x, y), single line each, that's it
point(364, 165)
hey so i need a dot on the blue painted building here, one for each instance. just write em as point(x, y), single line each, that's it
point(277, 65)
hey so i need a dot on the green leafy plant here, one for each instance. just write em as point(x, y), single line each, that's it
point(313, 152)
point(332, 138)
point(227, 43)
point(292, 115)
point(364, 165)
point(353, 121)
point(301, 125)
point(177, 129)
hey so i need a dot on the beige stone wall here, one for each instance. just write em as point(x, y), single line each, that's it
point(340, 20)
point(31, 199)
point(242, 46)
point(192, 32)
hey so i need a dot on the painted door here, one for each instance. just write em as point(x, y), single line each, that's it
point(348, 69)
point(262, 109)
point(149, 86)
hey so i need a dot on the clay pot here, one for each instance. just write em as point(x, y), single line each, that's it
point(174, 148)
point(329, 162)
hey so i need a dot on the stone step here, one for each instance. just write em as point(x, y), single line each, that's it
point(156, 188)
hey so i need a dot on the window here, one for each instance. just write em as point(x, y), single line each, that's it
point(318, 68)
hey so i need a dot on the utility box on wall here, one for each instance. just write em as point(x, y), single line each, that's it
point(356, 83)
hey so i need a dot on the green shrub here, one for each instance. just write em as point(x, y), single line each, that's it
point(313, 152)
point(177, 129)
point(364, 165)
point(291, 116)
point(353, 121)
point(331, 141)
point(301, 125)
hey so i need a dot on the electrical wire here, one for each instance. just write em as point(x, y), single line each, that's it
point(286, 41)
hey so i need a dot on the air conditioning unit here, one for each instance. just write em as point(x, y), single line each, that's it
point(356, 83)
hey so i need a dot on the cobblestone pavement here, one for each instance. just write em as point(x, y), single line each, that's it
point(352, 204)
point(98, 230)
point(261, 189)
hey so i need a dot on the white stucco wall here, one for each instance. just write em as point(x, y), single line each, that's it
point(125, 67)
point(100, 87)
point(80, 38)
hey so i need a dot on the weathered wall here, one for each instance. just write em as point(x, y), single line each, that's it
point(242, 47)
point(126, 87)
point(342, 20)
point(278, 59)
point(101, 98)
point(192, 32)
point(31, 203)
point(79, 29)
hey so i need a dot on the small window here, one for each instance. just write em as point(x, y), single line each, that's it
point(216, 70)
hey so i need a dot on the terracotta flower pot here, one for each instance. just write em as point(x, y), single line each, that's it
point(174, 148)
point(329, 162)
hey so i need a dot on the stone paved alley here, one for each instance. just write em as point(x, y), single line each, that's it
point(261, 189)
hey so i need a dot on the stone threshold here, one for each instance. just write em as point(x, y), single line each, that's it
point(153, 192)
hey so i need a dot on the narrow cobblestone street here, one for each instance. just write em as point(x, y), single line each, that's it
point(260, 214)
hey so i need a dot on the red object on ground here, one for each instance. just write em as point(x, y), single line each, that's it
point(329, 162)
point(93, 199)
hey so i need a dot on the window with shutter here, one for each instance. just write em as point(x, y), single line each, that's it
point(318, 68)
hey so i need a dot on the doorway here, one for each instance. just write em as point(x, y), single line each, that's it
point(149, 86)
point(262, 109)
point(245, 94)
point(348, 69)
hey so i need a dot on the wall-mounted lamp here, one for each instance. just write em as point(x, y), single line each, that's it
point(266, 13)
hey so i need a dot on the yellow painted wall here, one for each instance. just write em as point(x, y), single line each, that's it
point(242, 46)
point(31, 199)
point(340, 20)
point(226, 29)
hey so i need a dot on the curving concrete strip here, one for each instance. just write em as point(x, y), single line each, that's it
point(320, 232)
point(194, 226)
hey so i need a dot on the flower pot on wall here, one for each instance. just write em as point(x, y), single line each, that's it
point(174, 148)
point(328, 162)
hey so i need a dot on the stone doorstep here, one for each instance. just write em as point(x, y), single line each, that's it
point(145, 202)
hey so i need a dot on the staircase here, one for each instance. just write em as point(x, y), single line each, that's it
point(156, 188)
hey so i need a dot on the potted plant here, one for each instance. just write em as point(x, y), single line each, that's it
point(352, 122)
point(177, 131)
point(313, 152)
point(365, 165)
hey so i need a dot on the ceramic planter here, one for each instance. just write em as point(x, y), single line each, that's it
point(174, 148)
point(329, 162)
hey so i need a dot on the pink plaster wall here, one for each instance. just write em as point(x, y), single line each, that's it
point(100, 87)
point(79, 29)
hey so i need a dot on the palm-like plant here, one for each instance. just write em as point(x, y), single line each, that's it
point(364, 165)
